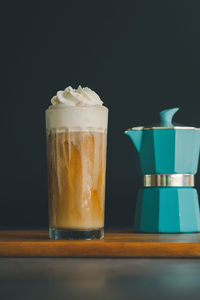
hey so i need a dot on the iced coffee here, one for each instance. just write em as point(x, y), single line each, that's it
point(76, 150)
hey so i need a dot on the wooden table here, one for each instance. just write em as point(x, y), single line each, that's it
point(116, 244)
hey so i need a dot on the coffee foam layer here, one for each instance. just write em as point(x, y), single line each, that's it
point(77, 118)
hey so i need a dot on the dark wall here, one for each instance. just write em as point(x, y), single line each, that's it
point(139, 56)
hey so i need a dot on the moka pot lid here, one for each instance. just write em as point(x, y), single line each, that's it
point(166, 117)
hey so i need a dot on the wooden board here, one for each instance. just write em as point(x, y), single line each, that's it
point(116, 244)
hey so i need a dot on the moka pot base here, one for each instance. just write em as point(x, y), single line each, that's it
point(167, 210)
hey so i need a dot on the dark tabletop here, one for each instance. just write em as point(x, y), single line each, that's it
point(64, 278)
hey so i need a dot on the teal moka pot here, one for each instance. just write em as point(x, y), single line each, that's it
point(168, 159)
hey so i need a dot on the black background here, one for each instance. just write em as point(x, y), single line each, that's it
point(139, 56)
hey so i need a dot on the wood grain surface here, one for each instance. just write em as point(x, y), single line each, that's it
point(36, 243)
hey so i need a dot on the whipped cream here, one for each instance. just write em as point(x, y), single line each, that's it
point(78, 109)
point(77, 97)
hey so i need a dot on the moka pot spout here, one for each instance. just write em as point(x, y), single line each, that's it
point(136, 137)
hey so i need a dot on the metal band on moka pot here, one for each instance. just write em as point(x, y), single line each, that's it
point(168, 180)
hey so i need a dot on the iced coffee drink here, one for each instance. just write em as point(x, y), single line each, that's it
point(76, 146)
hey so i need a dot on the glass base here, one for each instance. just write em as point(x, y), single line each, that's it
point(64, 234)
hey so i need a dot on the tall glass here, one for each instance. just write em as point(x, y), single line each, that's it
point(76, 152)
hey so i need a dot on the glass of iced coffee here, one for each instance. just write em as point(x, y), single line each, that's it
point(76, 124)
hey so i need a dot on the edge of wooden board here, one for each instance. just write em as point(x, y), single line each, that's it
point(96, 249)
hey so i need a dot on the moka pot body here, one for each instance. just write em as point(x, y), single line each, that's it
point(168, 205)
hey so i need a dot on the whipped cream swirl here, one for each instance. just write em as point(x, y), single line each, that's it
point(77, 97)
